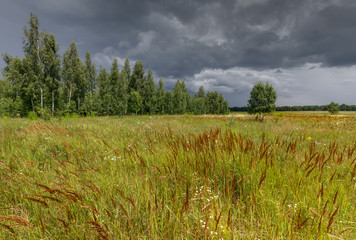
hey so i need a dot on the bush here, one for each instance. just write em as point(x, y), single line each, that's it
point(32, 115)
point(45, 114)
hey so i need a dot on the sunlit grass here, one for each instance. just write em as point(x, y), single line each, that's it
point(169, 177)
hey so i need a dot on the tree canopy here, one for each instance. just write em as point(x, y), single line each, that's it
point(262, 99)
point(333, 108)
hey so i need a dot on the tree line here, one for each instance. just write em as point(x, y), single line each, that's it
point(45, 83)
point(342, 107)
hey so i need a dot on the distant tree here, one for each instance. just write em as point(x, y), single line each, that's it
point(73, 76)
point(160, 106)
point(135, 102)
point(14, 73)
point(213, 103)
point(149, 93)
point(51, 67)
point(114, 87)
point(31, 47)
point(333, 108)
point(262, 99)
point(127, 68)
point(180, 95)
point(137, 77)
point(200, 101)
point(90, 74)
point(104, 93)
point(168, 103)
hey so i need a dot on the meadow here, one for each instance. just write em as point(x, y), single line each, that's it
point(292, 176)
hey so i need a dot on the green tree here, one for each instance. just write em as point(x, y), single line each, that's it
point(103, 81)
point(262, 99)
point(160, 93)
point(137, 77)
point(127, 68)
point(73, 76)
point(51, 67)
point(149, 93)
point(14, 73)
point(199, 102)
point(180, 95)
point(135, 102)
point(333, 108)
point(90, 74)
point(114, 86)
point(168, 103)
point(31, 47)
point(122, 92)
point(213, 103)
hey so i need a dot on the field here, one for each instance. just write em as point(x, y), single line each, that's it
point(292, 176)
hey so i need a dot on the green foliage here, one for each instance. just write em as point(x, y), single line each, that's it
point(5, 106)
point(137, 78)
point(90, 74)
point(51, 69)
point(180, 95)
point(159, 98)
point(333, 108)
point(215, 103)
point(32, 115)
point(34, 75)
point(45, 114)
point(168, 103)
point(103, 81)
point(127, 69)
point(149, 97)
point(135, 102)
point(262, 99)
point(74, 80)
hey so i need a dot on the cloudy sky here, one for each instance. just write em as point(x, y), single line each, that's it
point(305, 48)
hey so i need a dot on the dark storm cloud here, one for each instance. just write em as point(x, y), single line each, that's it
point(184, 38)
point(179, 38)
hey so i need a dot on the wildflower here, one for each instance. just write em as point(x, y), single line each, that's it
point(309, 138)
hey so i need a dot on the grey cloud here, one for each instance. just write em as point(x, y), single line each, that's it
point(179, 39)
point(307, 84)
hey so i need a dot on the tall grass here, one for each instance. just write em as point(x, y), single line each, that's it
point(169, 177)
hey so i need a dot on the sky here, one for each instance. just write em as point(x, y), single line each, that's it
point(305, 48)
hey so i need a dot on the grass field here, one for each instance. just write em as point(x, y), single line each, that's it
point(292, 176)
